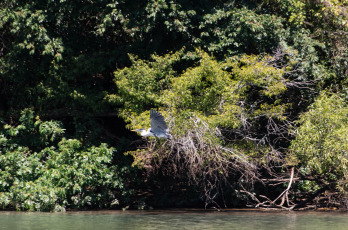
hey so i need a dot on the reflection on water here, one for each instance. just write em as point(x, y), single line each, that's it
point(99, 220)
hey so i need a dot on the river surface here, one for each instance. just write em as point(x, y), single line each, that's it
point(181, 219)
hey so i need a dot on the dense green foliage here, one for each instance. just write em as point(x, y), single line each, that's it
point(321, 146)
point(237, 81)
point(62, 173)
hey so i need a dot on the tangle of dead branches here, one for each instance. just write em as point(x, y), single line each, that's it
point(204, 163)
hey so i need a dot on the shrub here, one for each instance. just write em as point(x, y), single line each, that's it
point(64, 173)
point(321, 145)
point(213, 119)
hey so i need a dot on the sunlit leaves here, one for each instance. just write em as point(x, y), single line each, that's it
point(321, 145)
point(215, 92)
point(201, 88)
point(51, 173)
point(141, 85)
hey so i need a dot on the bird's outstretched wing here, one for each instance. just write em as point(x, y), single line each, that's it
point(158, 125)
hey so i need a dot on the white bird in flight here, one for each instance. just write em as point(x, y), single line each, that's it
point(158, 126)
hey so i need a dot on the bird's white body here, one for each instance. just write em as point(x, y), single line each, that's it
point(149, 133)
point(145, 133)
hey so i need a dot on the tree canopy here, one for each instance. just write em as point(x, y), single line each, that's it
point(254, 92)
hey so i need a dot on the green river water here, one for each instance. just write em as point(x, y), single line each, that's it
point(181, 219)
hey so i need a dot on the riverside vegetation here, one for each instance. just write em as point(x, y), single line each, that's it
point(255, 94)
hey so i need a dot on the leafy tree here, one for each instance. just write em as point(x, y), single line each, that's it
point(320, 147)
point(234, 31)
point(210, 113)
point(57, 58)
point(326, 21)
point(61, 173)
